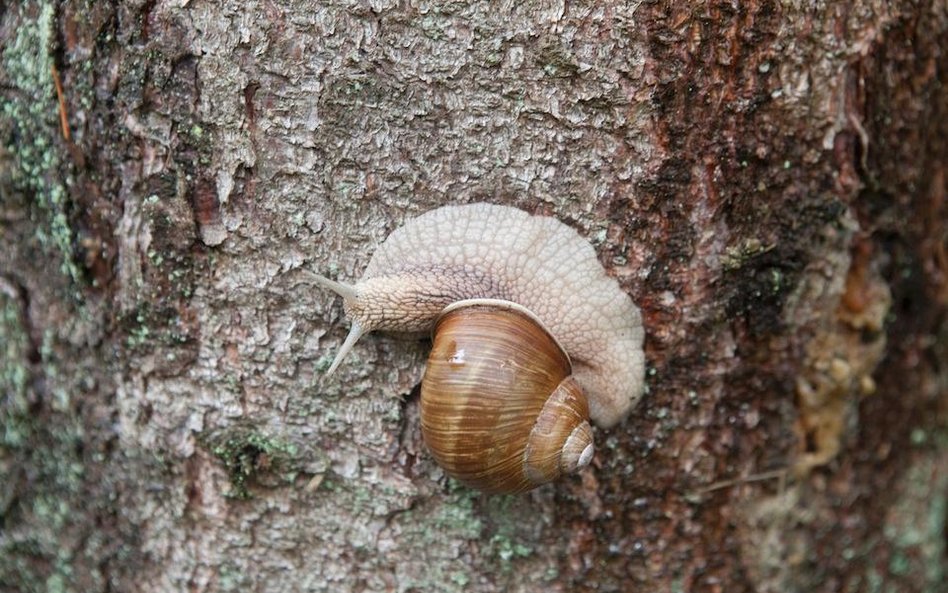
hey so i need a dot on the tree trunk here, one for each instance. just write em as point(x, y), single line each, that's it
point(767, 180)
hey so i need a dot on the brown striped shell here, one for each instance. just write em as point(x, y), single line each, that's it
point(487, 251)
point(500, 410)
point(455, 253)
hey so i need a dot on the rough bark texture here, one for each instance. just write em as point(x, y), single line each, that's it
point(767, 179)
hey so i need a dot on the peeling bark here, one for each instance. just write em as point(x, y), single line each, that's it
point(766, 179)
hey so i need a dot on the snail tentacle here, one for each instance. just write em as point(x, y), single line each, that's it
point(531, 339)
point(355, 332)
point(346, 291)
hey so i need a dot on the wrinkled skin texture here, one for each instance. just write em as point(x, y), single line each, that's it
point(766, 180)
point(486, 251)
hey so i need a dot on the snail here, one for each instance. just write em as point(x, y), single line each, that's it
point(531, 339)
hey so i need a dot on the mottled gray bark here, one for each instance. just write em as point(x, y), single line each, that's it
point(766, 179)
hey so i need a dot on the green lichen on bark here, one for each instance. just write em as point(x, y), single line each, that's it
point(915, 530)
point(35, 507)
point(30, 114)
point(425, 528)
point(14, 375)
point(249, 456)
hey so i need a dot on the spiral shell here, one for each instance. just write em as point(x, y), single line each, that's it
point(500, 410)
point(455, 253)
point(504, 407)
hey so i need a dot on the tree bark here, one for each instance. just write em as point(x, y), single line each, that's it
point(766, 179)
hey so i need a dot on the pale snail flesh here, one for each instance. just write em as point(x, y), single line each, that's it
point(533, 268)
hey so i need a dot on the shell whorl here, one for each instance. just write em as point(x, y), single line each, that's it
point(488, 251)
point(499, 408)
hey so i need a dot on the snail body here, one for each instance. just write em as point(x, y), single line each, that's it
point(541, 282)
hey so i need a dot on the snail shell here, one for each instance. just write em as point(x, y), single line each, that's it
point(500, 410)
point(545, 272)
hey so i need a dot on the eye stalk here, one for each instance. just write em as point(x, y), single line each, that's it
point(452, 266)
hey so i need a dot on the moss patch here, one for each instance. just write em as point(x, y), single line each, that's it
point(251, 457)
point(511, 540)
point(14, 374)
point(32, 116)
point(425, 529)
point(35, 505)
point(916, 526)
